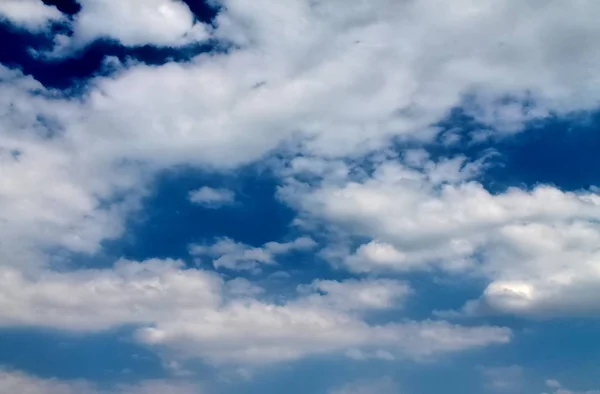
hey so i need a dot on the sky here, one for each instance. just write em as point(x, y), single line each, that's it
point(307, 196)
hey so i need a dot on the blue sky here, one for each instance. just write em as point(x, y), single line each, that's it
point(336, 197)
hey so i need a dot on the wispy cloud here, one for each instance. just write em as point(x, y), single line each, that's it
point(212, 198)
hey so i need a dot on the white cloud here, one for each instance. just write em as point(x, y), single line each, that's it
point(130, 293)
point(334, 81)
point(138, 22)
point(212, 198)
point(193, 314)
point(334, 76)
point(12, 382)
point(30, 14)
point(537, 248)
point(307, 72)
point(557, 388)
point(52, 194)
point(16, 382)
point(226, 253)
point(168, 23)
point(542, 271)
point(356, 295)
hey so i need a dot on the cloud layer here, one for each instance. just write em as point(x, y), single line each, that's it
point(195, 314)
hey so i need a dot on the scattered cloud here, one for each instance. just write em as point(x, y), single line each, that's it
point(557, 388)
point(322, 81)
point(19, 382)
point(352, 294)
point(212, 198)
point(226, 253)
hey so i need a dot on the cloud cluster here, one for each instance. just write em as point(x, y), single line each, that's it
point(538, 248)
point(303, 75)
point(336, 82)
point(192, 313)
point(324, 80)
point(60, 192)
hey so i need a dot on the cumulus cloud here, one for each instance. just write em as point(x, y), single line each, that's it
point(192, 313)
point(542, 271)
point(304, 71)
point(18, 382)
point(226, 253)
point(132, 23)
point(529, 51)
point(29, 14)
point(336, 82)
point(138, 22)
point(537, 247)
point(212, 198)
point(129, 293)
